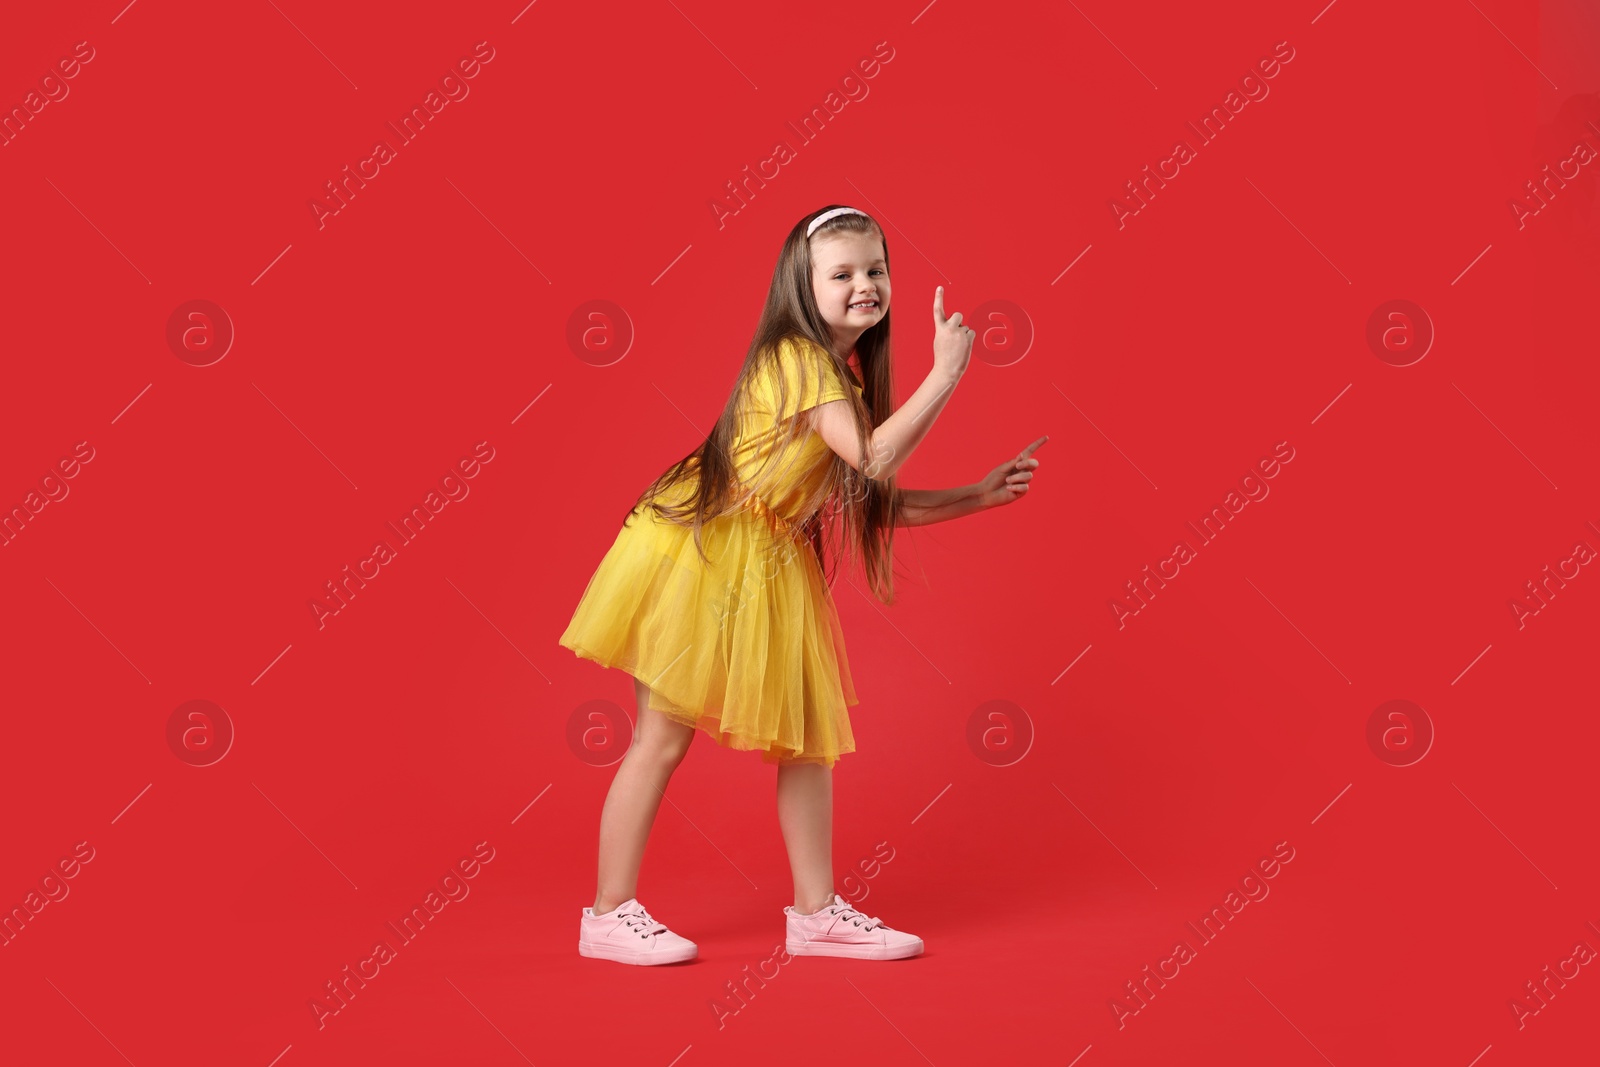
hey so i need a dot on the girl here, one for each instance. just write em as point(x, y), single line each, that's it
point(717, 604)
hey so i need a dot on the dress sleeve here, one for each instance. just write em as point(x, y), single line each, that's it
point(809, 379)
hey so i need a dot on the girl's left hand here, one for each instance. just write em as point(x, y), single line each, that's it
point(1009, 481)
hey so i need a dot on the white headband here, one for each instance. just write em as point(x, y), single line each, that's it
point(826, 215)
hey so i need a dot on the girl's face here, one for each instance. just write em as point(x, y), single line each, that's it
point(850, 280)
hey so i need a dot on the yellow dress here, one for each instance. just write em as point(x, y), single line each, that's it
point(745, 645)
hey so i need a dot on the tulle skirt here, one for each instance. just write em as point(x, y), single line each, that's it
point(744, 645)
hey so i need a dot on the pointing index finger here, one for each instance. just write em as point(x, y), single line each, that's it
point(1026, 452)
point(938, 305)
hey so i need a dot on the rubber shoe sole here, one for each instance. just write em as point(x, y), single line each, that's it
point(854, 952)
point(644, 959)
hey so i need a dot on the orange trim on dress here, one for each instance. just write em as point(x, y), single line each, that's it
point(778, 524)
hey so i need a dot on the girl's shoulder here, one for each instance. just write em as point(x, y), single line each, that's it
point(800, 350)
point(792, 351)
point(802, 370)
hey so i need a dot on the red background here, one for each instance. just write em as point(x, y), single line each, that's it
point(431, 713)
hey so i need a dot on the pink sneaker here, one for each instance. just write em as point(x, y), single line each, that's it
point(840, 930)
point(629, 934)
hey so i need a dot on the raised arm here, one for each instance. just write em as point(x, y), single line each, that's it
point(892, 442)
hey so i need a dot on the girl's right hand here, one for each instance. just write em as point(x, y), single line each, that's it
point(952, 342)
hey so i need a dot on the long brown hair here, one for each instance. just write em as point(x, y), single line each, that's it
point(867, 508)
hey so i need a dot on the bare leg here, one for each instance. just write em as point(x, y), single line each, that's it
point(805, 813)
point(659, 745)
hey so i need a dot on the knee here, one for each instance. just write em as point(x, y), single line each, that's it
point(664, 750)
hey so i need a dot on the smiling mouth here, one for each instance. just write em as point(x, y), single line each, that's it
point(869, 305)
